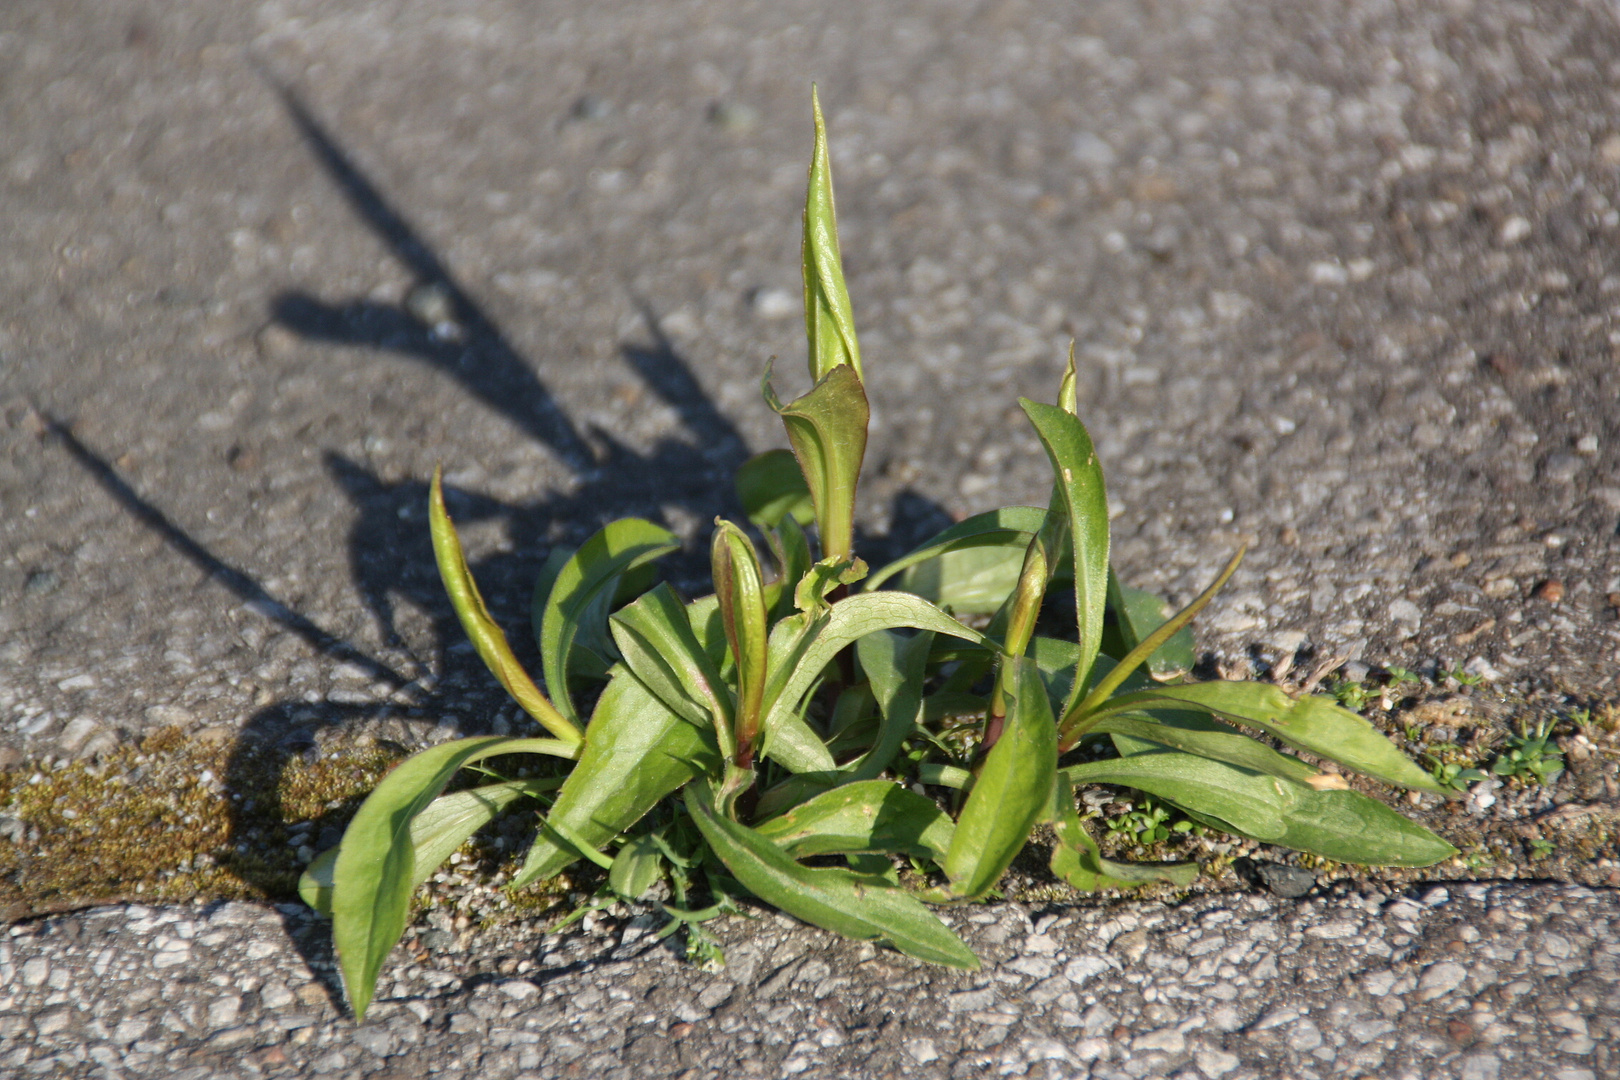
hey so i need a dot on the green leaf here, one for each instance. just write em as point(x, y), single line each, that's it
point(800, 649)
point(436, 832)
point(996, 541)
point(1350, 827)
point(1197, 733)
point(1077, 859)
point(1347, 826)
point(1013, 787)
point(637, 868)
point(1252, 801)
point(854, 905)
point(879, 866)
point(771, 487)
point(895, 666)
point(375, 870)
point(792, 553)
point(1078, 480)
point(637, 750)
point(654, 635)
point(1056, 660)
point(1313, 724)
point(586, 581)
point(828, 321)
point(740, 588)
point(543, 581)
point(1136, 614)
point(482, 630)
point(969, 580)
point(827, 428)
point(866, 816)
point(704, 615)
point(945, 776)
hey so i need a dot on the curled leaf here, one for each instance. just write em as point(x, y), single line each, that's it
point(828, 428)
point(1077, 859)
point(482, 630)
point(740, 589)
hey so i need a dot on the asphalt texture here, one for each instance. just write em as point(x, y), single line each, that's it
point(1476, 982)
point(1341, 280)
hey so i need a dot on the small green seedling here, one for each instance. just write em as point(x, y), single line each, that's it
point(1450, 774)
point(1150, 822)
point(811, 710)
point(1463, 677)
point(1354, 696)
point(1399, 676)
point(1528, 755)
point(1541, 847)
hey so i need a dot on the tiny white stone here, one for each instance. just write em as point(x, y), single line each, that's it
point(1569, 1021)
point(519, 989)
point(53, 1021)
point(1480, 1067)
point(922, 1051)
point(1169, 1040)
point(1214, 1063)
point(222, 1011)
point(1328, 273)
point(774, 304)
point(1439, 979)
point(1036, 967)
point(1045, 1050)
point(275, 995)
point(1303, 1036)
point(129, 1030)
point(1092, 1049)
point(1332, 931)
point(1085, 967)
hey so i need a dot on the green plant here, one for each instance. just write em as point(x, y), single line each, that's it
point(1352, 695)
point(1463, 677)
point(1149, 823)
point(1528, 754)
point(735, 736)
point(1399, 676)
point(1541, 847)
point(1453, 775)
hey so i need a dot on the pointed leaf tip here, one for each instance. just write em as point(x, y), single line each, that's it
point(828, 318)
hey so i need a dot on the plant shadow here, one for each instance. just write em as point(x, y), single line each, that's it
point(391, 562)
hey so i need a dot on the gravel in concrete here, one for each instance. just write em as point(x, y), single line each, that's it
point(1472, 982)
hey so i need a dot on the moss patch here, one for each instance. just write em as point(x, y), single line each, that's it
point(175, 818)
